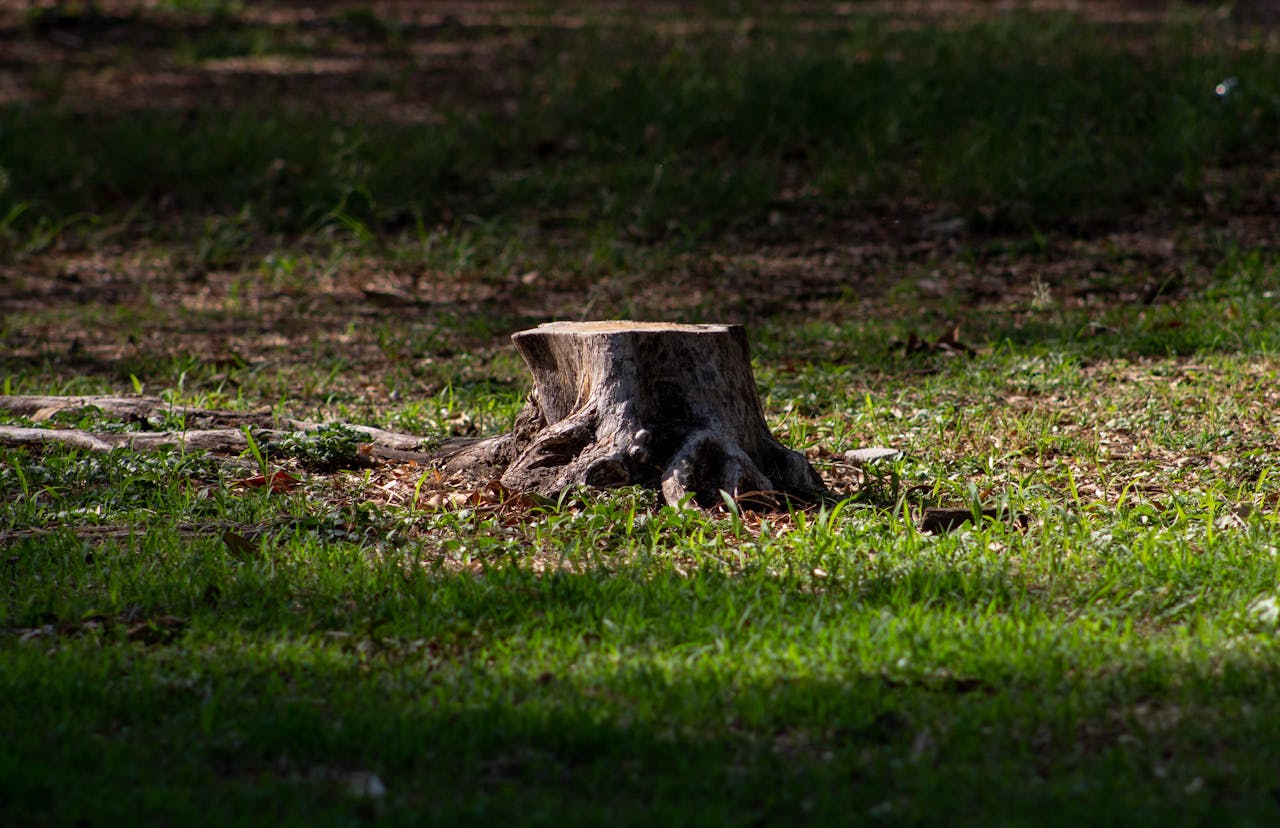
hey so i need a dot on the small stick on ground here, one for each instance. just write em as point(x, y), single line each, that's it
point(215, 431)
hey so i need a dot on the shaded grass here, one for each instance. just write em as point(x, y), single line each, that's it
point(1026, 122)
point(924, 670)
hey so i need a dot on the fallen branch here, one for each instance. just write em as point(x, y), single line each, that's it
point(214, 431)
point(203, 422)
point(221, 441)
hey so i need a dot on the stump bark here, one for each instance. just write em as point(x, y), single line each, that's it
point(667, 406)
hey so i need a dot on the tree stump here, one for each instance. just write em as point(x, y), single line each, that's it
point(666, 406)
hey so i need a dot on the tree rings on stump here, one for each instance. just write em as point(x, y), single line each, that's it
point(666, 406)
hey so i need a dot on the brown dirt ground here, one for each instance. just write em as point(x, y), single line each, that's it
point(449, 54)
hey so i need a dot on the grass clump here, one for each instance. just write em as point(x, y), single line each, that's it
point(330, 447)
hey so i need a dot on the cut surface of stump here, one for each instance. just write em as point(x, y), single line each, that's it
point(666, 406)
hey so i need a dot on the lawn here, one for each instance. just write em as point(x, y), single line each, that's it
point(1034, 251)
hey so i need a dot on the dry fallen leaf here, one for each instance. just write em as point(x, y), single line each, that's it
point(45, 413)
point(492, 496)
point(279, 481)
point(238, 544)
point(864, 456)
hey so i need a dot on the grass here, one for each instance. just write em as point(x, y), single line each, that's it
point(1092, 347)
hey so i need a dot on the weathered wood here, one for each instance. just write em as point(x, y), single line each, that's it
point(131, 407)
point(667, 406)
point(214, 430)
point(214, 440)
